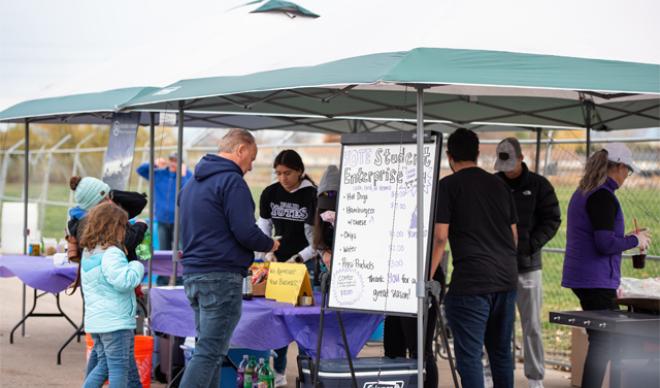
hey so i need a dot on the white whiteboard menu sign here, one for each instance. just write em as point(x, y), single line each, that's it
point(374, 263)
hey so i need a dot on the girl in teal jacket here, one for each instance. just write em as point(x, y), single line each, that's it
point(108, 279)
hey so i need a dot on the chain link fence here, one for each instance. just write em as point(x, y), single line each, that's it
point(560, 160)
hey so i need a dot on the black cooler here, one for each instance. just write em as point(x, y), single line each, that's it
point(370, 372)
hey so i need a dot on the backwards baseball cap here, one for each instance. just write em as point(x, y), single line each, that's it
point(508, 151)
point(619, 153)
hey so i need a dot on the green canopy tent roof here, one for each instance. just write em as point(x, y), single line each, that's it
point(97, 108)
point(461, 87)
point(87, 108)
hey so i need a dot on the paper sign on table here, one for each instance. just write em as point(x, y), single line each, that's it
point(287, 282)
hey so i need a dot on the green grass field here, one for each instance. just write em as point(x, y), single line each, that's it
point(641, 203)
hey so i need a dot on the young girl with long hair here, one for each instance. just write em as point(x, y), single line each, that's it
point(108, 279)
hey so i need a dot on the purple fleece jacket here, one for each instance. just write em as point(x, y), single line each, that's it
point(593, 257)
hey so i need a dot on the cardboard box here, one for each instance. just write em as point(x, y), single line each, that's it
point(579, 346)
point(259, 289)
point(631, 370)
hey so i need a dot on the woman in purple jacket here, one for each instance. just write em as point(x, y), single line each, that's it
point(595, 239)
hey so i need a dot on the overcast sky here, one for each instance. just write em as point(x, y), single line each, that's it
point(67, 46)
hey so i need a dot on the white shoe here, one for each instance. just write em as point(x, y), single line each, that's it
point(280, 380)
point(535, 383)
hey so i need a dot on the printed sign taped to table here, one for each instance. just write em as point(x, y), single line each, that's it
point(287, 282)
point(374, 258)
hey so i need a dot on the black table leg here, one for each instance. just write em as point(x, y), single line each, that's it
point(79, 329)
point(29, 314)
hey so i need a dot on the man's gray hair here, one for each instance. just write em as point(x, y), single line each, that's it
point(234, 138)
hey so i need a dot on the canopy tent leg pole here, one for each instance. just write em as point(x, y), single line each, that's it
point(177, 215)
point(537, 157)
point(26, 232)
point(152, 137)
point(175, 242)
point(421, 281)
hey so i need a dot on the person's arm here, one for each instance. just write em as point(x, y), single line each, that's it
point(120, 273)
point(548, 217)
point(441, 229)
point(143, 170)
point(239, 210)
point(134, 236)
point(265, 225)
point(440, 238)
point(514, 232)
point(308, 252)
point(265, 222)
point(601, 209)
point(513, 219)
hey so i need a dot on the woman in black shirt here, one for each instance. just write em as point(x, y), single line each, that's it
point(288, 205)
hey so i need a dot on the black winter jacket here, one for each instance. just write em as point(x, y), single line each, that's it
point(539, 216)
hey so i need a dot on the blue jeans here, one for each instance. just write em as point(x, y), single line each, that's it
point(115, 360)
point(216, 299)
point(478, 320)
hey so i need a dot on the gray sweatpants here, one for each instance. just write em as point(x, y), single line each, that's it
point(529, 301)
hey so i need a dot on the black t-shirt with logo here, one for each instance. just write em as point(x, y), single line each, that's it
point(289, 212)
point(480, 210)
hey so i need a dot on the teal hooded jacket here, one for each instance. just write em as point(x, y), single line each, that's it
point(108, 279)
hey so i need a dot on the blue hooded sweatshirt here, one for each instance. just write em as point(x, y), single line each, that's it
point(218, 228)
point(164, 190)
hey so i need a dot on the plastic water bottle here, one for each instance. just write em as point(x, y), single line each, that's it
point(266, 375)
point(251, 370)
point(259, 366)
point(240, 372)
point(247, 383)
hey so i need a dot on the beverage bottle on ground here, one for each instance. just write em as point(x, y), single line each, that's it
point(247, 383)
point(251, 369)
point(240, 372)
point(266, 376)
point(259, 366)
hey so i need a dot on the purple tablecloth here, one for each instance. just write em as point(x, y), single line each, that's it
point(162, 264)
point(38, 272)
point(266, 324)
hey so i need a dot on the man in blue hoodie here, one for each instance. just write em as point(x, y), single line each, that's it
point(219, 236)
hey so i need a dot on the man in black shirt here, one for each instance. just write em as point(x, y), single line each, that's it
point(475, 212)
point(538, 220)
